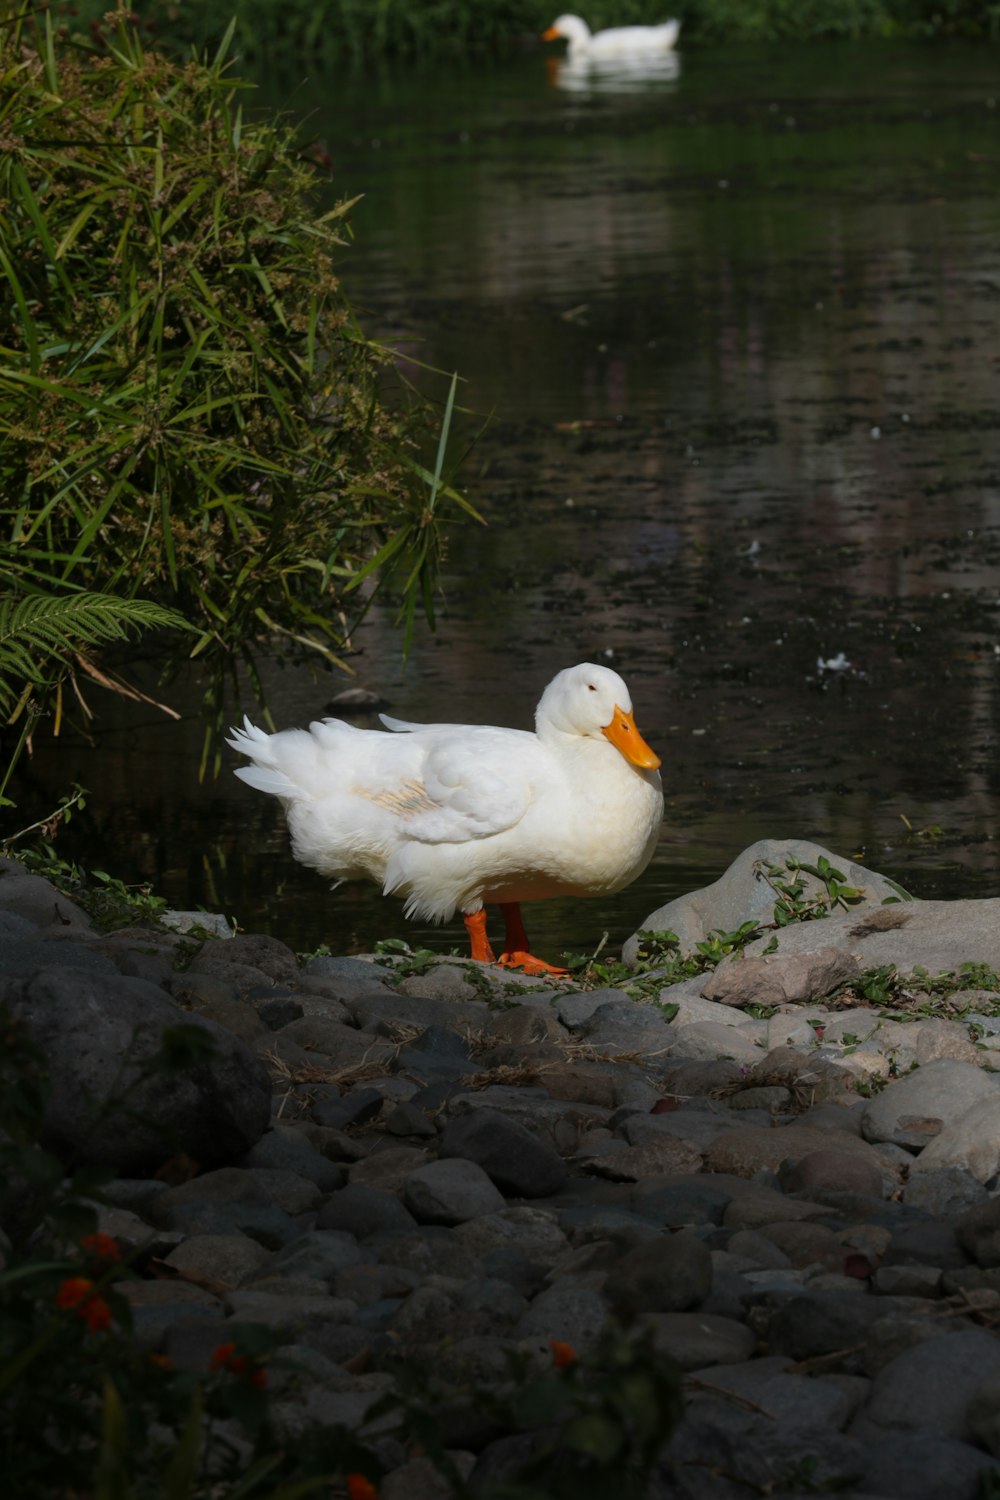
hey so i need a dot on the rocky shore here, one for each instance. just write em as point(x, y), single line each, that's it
point(785, 1169)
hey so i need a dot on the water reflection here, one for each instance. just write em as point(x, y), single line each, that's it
point(581, 74)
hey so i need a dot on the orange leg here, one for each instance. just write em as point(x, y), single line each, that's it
point(515, 953)
point(475, 926)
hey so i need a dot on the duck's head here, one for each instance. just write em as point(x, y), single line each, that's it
point(571, 28)
point(593, 702)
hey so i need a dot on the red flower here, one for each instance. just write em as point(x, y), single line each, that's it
point(225, 1358)
point(79, 1295)
point(563, 1354)
point(103, 1246)
point(360, 1488)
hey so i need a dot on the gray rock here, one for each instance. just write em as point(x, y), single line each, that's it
point(350, 971)
point(937, 1039)
point(406, 1119)
point(798, 1403)
point(929, 1388)
point(826, 1171)
point(743, 895)
point(569, 1311)
point(780, 978)
point(211, 922)
point(288, 1318)
point(671, 1273)
point(442, 982)
point(823, 1323)
point(15, 929)
point(914, 1109)
point(258, 951)
point(268, 1186)
point(623, 1025)
point(658, 1155)
point(690, 1201)
point(970, 1143)
point(984, 1415)
point(745, 1151)
point(389, 1166)
point(708, 1040)
point(697, 1125)
point(450, 1191)
point(288, 1150)
point(224, 1260)
point(100, 1036)
point(933, 935)
point(577, 1008)
point(356, 1108)
point(924, 1466)
point(279, 1011)
point(384, 1012)
point(319, 1255)
point(364, 1211)
point(38, 901)
point(23, 957)
point(532, 1231)
point(697, 1340)
point(517, 1161)
point(978, 1233)
point(270, 1227)
point(907, 1281)
point(946, 1192)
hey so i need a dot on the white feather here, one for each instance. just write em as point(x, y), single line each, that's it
point(449, 816)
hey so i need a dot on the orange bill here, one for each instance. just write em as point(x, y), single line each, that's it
point(551, 35)
point(625, 737)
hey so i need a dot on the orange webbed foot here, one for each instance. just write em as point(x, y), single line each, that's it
point(528, 963)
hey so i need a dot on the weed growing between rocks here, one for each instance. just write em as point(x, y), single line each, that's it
point(106, 899)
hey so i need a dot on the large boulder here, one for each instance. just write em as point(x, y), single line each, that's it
point(743, 894)
point(112, 1101)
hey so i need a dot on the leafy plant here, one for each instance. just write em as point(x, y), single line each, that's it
point(47, 640)
point(109, 901)
point(796, 902)
point(189, 412)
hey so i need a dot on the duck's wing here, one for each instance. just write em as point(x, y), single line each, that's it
point(476, 782)
point(407, 726)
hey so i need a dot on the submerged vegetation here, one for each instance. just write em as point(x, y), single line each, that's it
point(361, 31)
point(192, 425)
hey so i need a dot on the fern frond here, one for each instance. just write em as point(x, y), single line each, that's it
point(38, 632)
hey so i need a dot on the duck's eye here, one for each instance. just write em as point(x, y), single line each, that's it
point(591, 688)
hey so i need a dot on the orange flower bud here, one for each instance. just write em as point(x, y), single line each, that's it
point(359, 1487)
point(563, 1354)
point(103, 1246)
point(78, 1294)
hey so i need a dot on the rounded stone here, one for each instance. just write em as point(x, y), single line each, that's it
point(450, 1192)
point(670, 1273)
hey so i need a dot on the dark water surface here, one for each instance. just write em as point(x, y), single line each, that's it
point(739, 333)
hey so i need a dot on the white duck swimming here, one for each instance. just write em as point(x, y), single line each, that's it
point(616, 42)
point(451, 816)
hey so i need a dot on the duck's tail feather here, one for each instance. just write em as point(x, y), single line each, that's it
point(263, 774)
point(265, 780)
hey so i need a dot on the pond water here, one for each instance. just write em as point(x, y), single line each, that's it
point(737, 330)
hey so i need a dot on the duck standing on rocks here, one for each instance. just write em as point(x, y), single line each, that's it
point(452, 816)
point(618, 41)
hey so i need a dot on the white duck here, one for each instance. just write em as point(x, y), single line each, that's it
point(451, 816)
point(619, 41)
